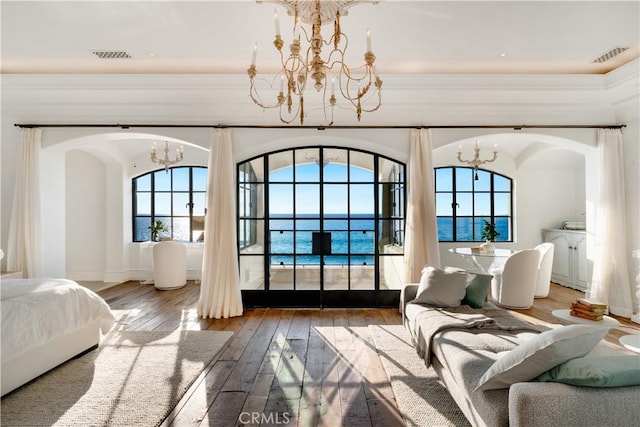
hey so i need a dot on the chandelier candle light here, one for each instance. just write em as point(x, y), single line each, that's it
point(476, 161)
point(360, 88)
point(166, 161)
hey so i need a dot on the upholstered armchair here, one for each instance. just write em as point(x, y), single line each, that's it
point(169, 265)
point(544, 269)
point(514, 286)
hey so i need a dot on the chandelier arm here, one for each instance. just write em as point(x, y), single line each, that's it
point(324, 105)
point(255, 97)
point(373, 109)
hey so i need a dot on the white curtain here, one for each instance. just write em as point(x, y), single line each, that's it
point(24, 244)
point(220, 294)
point(610, 281)
point(421, 233)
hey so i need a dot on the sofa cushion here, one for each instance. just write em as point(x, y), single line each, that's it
point(476, 290)
point(461, 357)
point(606, 371)
point(441, 288)
point(541, 353)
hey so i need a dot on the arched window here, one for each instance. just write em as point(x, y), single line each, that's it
point(177, 197)
point(466, 198)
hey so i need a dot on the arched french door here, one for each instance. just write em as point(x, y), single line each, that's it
point(320, 227)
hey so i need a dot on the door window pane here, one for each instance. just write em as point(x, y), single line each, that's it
point(162, 181)
point(281, 198)
point(307, 199)
point(143, 203)
point(200, 177)
point(362, 275)
point(444, 180)
point(335, 199)
point(180, 230)
point(163, 204)
point(308, 273)
point(281, 242)
point(180, 179)
point(482, 204)
point(281, 274)
point(362, 242)
point(361, 167)
point(143, 183)
point(251, 272)
point(361, 196)
point(444, 203)
point(181, 204)
point(335, 165)
point(464, 179)
point(308, 165)
point(280, 169)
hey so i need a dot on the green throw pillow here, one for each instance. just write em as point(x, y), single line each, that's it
point(605, 371)
point(476, 291)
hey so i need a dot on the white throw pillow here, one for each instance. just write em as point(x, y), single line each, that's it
point(539, 354)
point(441, 288)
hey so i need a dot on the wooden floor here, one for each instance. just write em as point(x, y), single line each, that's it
point(290, 367)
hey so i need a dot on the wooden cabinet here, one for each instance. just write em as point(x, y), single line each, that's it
point(570, 266)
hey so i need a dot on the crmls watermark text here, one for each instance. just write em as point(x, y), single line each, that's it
point(261, 418)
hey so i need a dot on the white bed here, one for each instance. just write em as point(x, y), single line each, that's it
point(46, 322)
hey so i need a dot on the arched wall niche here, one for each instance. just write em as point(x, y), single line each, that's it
point(554, 179)
point(122, 155)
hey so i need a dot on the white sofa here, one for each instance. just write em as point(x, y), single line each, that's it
point(462, 356)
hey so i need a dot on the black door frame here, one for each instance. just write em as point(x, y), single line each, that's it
point(321, 298)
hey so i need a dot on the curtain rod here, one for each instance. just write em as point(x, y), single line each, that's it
point(319, 127)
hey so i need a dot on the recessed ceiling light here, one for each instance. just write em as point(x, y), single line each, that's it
point(607, 56)
point(111, 54)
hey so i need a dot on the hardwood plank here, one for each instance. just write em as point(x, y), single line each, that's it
point(194, 409)
point(310, 401)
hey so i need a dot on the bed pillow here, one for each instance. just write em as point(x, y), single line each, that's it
point(539, 354)
point(476, 290)
point(441, 288)
point(605, 371)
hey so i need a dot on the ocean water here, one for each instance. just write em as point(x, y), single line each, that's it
point(465, 229)
point(354, 236)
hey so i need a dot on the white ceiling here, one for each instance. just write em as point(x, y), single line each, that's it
point(440, 61)
point(408, 36)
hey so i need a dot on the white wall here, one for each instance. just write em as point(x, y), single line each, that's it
point(86, 216)
point(560, 195)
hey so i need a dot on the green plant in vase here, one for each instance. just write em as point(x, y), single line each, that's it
point(489, 234)
point(156, 228)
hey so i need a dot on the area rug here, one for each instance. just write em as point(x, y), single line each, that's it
point(133, 379)
point(422, 400)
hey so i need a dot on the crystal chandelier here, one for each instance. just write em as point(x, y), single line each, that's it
point(166, 161)
point(359, 87)
point(476, 161)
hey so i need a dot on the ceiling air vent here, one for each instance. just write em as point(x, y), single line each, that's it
point(607, 56)
point(111, 54)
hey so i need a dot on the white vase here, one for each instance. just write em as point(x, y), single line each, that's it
point(488, 246)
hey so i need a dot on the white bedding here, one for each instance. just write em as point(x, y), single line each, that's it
point(34, 311)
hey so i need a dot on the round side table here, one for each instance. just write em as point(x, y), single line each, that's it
point(606, 320)
point(631, 342)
